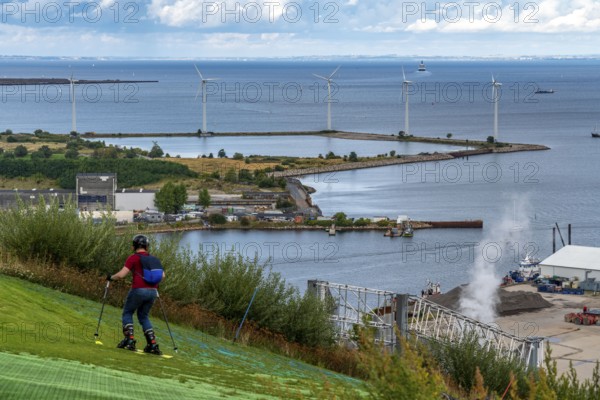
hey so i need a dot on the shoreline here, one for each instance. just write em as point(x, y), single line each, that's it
point(417, 225)
point(332, 134)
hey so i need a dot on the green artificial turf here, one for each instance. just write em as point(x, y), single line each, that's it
point(48, 351)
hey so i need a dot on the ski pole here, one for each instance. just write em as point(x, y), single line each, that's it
point(237, 333)
point(167, 322)
point(101, 312)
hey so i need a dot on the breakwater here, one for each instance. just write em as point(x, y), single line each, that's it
point(63, 81)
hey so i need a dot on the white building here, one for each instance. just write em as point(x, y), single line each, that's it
point(134, 200)
point(573, 261)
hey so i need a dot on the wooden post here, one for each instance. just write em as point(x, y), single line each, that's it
point(553, 240)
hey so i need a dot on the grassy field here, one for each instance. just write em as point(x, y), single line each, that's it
point(47, 350)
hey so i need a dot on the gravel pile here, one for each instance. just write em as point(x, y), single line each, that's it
point(511, 303)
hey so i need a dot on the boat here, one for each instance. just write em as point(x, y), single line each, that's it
point(529, 270)
point(432, 289)
point(529, 262)
point(407, 229)
point(422, 67)
point(392, 232)
point(595, 132)
point(544, 91)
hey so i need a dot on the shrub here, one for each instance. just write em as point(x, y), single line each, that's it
point(217, 219)
point(71, 154)
point(461, 360)
point(238, 156)
point(406, 374)
point(20, 151)
point(12, 139)
point(59, 235)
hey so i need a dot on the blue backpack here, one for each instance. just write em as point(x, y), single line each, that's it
point(152, 269)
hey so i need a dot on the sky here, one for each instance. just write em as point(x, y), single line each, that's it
point(283, 28)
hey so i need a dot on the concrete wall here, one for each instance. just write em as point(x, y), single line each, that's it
point(134, 201)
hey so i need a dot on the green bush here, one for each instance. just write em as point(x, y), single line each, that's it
point(225, 282)
point(460, 361)
point(59, 235)
point(131, 172)
point(217, 219)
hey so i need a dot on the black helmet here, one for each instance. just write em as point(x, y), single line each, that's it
point(140, 241)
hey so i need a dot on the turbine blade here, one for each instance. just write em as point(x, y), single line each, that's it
point(334, 72)
point(199, 73)
point(403, 75)
point(198, 92)
point(321, 77)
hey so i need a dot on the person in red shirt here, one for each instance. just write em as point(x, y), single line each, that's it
point(140, 298)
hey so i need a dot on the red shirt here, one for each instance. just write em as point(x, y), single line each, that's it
point(135, 266)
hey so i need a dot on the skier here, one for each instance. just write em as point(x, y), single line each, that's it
point(141, 297)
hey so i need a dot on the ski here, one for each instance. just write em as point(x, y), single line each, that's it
point(138, 351)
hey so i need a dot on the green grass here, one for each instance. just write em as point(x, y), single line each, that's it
point(47, 350)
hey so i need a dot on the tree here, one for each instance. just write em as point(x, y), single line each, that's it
point(490, 139)
point(71, 154)
point(340, 219)
point(217, 219)
point(8, 132)
point(156, 151)
point(230, 176)
point(45, 151)
point(204, 198)
point(20, 151)
point(171, 198)
point(238, 156)
point(353, 157)
point(221, 154)
point(392, 153)
point(12, 139)
point(449, 135)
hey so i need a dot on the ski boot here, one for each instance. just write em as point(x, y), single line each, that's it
point(128, 342)
point(151, 347)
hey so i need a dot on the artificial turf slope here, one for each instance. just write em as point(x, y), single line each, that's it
point(47, 351)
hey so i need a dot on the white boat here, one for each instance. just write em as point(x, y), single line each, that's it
point(529, 267)
point(431, 289)
point(422, 67)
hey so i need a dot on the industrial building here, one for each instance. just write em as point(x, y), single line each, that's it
point(573, 262)
point(96, 191)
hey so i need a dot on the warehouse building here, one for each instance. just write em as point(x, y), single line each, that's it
point(573, 262)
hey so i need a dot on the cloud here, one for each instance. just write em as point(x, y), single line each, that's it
point(224, 13)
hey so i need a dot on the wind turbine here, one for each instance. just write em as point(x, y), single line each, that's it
point(405, 84)
point(73, 113)
point(495, 94)
point(329, 79)
point(203, 88)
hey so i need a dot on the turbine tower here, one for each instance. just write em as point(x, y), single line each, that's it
point(405, 84)
point(329, 79)
point(496, 96)
point(203, 88)
point(73, 113)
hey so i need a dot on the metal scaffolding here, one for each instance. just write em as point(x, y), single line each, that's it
point(415, 316)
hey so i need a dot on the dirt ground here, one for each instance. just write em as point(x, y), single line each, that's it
point(569, 342)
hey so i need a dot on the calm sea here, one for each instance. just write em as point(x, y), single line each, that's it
point(519, 195)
